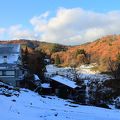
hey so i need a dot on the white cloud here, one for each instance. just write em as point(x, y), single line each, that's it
point(40, 22)
point(2, 32)
point(75, 26)
point(68, 26)
point(18, 32)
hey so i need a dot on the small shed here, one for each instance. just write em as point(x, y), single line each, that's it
point(63, 87)
point(45, 89)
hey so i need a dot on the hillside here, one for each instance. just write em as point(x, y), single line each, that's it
point(99, 50)
point(48, 48)
point(27, 105)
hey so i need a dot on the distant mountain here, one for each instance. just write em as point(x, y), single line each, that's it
point(99, 50)
point(49, 48)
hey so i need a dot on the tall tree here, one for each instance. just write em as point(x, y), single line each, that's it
point(26, 57)
point(40, 64)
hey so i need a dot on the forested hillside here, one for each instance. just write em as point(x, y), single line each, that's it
point(98, 51)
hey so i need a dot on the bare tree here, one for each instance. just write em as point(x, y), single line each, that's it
point(114, 68)
point(75, 74)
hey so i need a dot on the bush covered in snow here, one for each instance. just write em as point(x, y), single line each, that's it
point(8, 90)
point(117, 102)
point(98, 93)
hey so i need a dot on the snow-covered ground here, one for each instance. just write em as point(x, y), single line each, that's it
point(84, 71)
point(31, 106)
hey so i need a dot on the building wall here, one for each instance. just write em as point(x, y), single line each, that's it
point(10, 59)
point(10, 79)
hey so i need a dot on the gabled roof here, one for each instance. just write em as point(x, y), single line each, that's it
point(64, 81)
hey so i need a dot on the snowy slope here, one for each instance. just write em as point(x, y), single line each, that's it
point(30, 106)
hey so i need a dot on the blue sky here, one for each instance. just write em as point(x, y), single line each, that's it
point(16, 15)
point(20, 11)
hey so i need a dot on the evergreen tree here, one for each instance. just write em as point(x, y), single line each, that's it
point(40, 67)
point(81, 51)
point(26, 57)
point(57, 60)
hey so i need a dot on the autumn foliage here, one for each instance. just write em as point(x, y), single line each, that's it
point(98, 51)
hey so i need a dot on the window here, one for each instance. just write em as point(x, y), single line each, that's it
point(0, 73)
point(8, 73)
point(5, 59)
point(4, 56)
point(12, 73)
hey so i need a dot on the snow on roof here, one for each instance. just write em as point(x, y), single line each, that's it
point(64, 81)
point(11, 52)
point(36, 77)
point(45, 85)
point(9, 48)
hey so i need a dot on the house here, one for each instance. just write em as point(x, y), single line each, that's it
point(11, 71)
point(64, 87)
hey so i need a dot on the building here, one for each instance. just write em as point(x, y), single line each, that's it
point(11, 71)
point(64, 87)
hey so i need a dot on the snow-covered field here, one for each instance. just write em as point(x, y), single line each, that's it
point(84, 71)
point(31, 106)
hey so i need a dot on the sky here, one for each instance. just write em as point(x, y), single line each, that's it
point(69, 22)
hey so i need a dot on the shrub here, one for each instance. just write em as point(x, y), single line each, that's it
point(80, 51)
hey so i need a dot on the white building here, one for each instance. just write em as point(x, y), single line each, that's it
point(11, 70)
